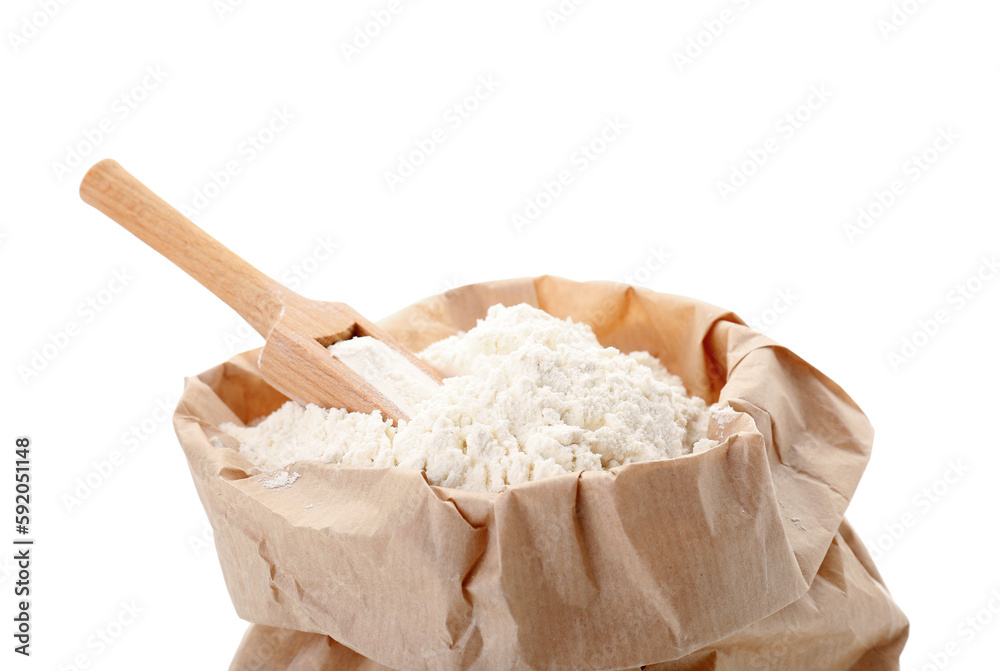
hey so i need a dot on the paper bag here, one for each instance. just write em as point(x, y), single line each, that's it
point(733, 557)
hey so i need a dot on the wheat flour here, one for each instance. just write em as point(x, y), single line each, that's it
point(528, 396)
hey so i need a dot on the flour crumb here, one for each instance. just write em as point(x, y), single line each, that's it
point(723, 415)
point(527, 396)
point(278, 479)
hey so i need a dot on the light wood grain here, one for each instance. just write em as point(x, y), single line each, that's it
point(297, 330)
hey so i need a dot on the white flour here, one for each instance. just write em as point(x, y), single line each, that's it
point(528, 396)
point(387, 370)
point(278, 479)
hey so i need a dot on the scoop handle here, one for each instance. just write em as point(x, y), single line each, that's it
point(256, 297)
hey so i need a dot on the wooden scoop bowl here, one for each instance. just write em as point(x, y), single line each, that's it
point(294, 360)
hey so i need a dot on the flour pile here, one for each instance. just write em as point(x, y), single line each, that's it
point(528, 396)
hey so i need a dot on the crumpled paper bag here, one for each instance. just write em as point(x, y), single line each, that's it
point(735, 558)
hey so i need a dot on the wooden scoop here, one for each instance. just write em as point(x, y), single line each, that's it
point(294, 360)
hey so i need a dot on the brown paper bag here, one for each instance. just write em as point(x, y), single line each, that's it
point(735, 557)
point(828, 628)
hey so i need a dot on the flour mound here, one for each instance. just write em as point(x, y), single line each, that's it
point(528, 396)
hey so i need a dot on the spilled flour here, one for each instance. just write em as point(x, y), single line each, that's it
point(278, 479)
point(528, 396)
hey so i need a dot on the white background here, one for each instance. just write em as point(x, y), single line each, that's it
point(779, 241)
